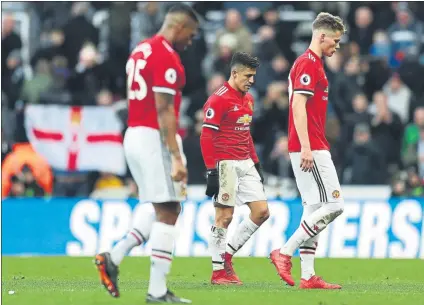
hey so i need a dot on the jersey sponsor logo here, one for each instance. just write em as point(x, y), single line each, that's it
point(171, 76)
point(210, 113)
point(245, 119)
point(305, 79)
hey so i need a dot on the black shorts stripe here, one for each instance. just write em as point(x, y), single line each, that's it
point(231, 247)
point(141, 235)
point(307, 248)
point(309, 229)
point(216, 262)
point(321, 195)
point(322, 183)
point(162, 251)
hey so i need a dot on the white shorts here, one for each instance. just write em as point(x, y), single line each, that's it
point(239, 183)
point(322, 184)
point(150, 165)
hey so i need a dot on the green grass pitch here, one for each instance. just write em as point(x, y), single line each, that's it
point(74, 281)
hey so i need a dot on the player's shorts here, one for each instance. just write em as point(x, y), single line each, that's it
point(150, 164)
point(239, 183)
point(322, 184)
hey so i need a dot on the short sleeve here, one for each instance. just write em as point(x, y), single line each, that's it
point(305, 77)
point(165, 76)
point(213, 112)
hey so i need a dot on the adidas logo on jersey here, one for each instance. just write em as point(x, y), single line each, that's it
point(236, 108)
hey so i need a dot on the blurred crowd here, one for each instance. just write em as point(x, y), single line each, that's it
point(376, 97)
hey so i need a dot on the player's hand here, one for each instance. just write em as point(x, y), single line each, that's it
point(212, 182)
point(179, 171)
point(260, 171)
point(306, 160)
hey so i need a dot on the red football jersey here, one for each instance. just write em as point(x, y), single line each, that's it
point(307, 76)
point(152, 67)
point(230, 112)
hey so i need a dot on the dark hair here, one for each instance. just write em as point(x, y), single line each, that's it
point(245, 59)
point(186, 9)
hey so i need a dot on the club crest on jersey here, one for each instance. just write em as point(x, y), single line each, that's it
point(245, 119)
point(305, 79)
point(210, 113)
point(336, 194)
point(250, 104)
point(225, 197)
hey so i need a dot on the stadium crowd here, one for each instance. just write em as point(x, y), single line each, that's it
point(375, 119)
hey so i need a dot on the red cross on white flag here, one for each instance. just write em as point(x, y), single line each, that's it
point(77, 138)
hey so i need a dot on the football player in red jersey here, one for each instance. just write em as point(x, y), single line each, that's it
point(155, 78)
point(315, 174)
point(234, 174)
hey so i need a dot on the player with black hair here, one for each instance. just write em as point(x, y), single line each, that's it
point(153, 150)
point(234, 174)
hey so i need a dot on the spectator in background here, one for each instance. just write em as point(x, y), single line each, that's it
point(362, 32)
point(227, 46)
point(214, 83)
point(278, 162)
point(235, 28)
point(347, 84)
point(51, 45)
point(363, 162)
point(267, 47)
point(89, 77)
point(104, 98)
point(415, 186)
point(399, 97)
point(412, 145)
point(14, 79)
point(405, 36)
point(78, 31)
point(57, 93)
point(386, 130)
point(40, 83)
point(277, 69)
point(191, 144)
point(10, 41)
point(359, 115)
point(398, 188)
point(17, 189)
point(147, 21)
point(32, 188)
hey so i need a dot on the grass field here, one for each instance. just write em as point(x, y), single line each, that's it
point(66, 281)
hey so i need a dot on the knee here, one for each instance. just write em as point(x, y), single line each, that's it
point(167, 213)
point(336, 209)
point(223, 218)
point(262, 215)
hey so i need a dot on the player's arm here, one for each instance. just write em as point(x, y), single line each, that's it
point(305, 80)
point(213, 112)
point(300, 118)
point(167, 122)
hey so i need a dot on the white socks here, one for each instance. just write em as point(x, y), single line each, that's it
point(242, 234)
point(217, 239)
point(133, 238)
point(307, 257)
point(162, 239)
point(139, 234)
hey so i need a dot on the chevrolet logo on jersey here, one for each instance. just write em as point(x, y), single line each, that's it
point(245, 119)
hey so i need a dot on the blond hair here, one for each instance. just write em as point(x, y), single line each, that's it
point(326, 21)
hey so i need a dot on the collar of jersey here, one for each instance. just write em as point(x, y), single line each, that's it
point(234, 91)
point(313, 54)
point(165, 40)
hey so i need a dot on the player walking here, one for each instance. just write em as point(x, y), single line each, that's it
point(234, 175)
point(316, 176)
point(155, 77)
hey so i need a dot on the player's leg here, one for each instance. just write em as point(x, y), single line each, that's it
point(107, 263)
point(314, 188)
point(224, 204)
point(250, 192)
point(142, 224)
point(162, 193)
